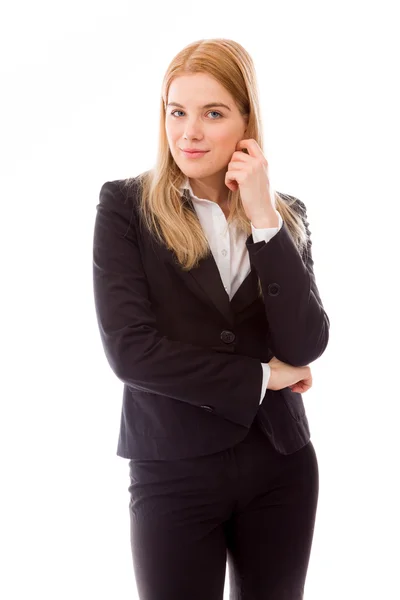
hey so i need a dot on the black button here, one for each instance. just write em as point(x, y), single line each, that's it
point(207, 407)
point(274, 289)
point(227, 336)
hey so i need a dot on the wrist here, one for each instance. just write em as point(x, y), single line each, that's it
point(270, 219)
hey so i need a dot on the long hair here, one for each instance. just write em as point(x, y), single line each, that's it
point(163, 208)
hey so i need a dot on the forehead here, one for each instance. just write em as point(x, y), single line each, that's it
point(196, 90)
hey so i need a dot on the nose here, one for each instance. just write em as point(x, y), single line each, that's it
point(193, 130)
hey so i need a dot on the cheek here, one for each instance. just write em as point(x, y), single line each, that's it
point(170, 134)
point(224, 148)
point(221, 136)
point(226, 143)
point(171, 131)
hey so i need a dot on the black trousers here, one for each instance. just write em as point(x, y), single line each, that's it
point(248, 504)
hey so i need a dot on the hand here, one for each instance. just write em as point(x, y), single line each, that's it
point(298, 379)
point(249, 173)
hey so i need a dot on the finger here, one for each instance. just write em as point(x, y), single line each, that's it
point(240, 156)
point(235, 164)
point(232, 185)
point(233, 176)
point(252, 147)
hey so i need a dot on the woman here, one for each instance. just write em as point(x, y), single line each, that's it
point(209, 313)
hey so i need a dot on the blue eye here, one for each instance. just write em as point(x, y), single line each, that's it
point(211, 111)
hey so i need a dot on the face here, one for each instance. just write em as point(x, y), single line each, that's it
point(216, 129)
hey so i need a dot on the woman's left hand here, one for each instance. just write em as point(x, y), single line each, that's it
point(249, 173)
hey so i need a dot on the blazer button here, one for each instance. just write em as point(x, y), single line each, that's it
point(207, 407)
point(227, 336)
point(274, 289)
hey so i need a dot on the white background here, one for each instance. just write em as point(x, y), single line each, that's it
point(79, 106)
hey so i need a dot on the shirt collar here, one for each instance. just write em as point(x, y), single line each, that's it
point(186, 186)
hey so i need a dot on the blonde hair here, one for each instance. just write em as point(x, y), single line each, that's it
point(162, 209)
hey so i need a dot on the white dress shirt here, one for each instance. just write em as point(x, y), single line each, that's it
point(228, 246)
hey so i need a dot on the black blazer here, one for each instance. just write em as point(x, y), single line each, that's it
point(189, 357)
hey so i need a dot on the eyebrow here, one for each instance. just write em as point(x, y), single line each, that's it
point(209, 105)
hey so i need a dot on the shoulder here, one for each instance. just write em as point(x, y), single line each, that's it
point(120, 191)
point(118, 201)
point(293, 202)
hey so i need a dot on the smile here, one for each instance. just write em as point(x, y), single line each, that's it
point(194, 154)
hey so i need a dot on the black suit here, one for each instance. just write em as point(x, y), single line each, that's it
point(190, 362)
point(189, 357)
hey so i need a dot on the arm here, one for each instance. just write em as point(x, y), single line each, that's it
point(266, 233)
point(298, 323)
point(141, 357)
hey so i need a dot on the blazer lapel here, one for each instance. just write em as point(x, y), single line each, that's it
point(205, 281)
point(247, 293)
point(208, 278)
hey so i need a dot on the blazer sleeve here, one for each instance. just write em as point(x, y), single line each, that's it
point(298, 324)
point(228, 384)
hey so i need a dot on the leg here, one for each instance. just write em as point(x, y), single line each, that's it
point(270, 535)
point(177, 540)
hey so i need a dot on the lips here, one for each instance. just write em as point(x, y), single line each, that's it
point(193, 154)
point(192, 151)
